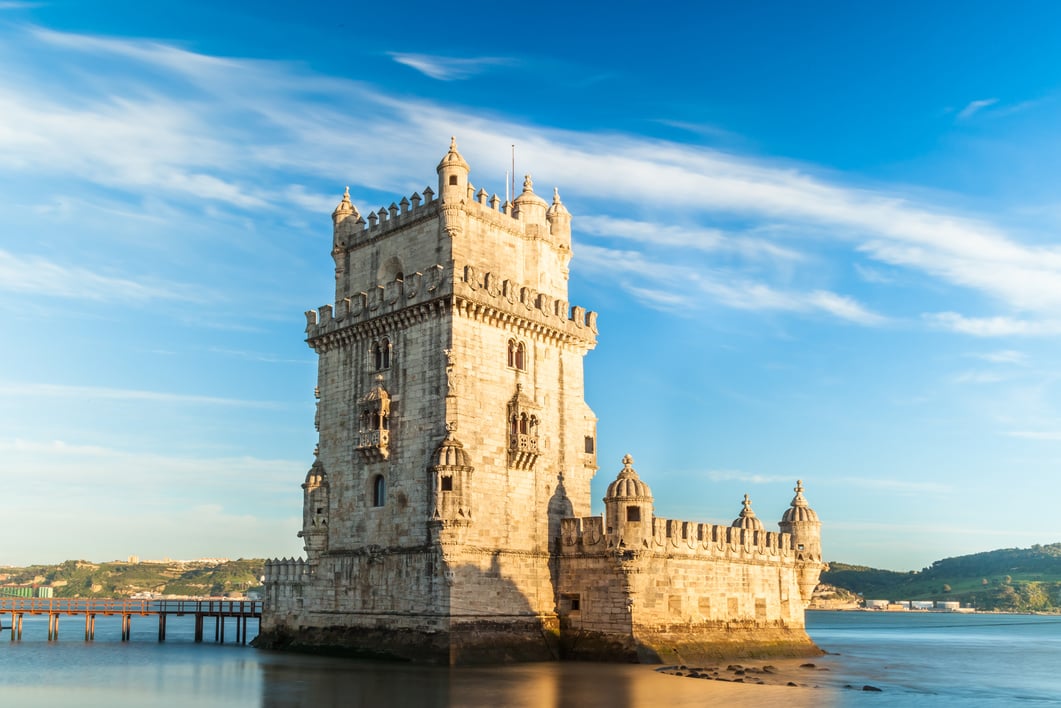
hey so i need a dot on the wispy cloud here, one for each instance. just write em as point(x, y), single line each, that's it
point(974, 107)
point(975, 376)
point(898, 485)
point(749, 478)
point(448, 68)
point(670, 284)
point(1005, 356)
point(146, 136)
point(38, 276)
point(1051, 435)
point(993, 326)
point(120, 394)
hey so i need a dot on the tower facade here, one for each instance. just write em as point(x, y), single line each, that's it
point(452, 425)
point(446, 515)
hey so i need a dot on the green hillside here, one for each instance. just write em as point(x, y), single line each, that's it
point(77, 578)
point(1009, 579)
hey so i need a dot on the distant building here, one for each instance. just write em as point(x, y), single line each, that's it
point(446, 516)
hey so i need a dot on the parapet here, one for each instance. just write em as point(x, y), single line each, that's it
point(507, 296)
point(681, 539)
point(412, 289)
point(285, 570)
point(348, 231)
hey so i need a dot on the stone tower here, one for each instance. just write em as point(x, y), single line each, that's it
point(446, 516)
point(452, 424)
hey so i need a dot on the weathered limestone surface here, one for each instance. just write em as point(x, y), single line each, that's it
point(446, 515)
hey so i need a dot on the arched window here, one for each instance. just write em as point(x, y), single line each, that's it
point(379, 491)
point(521, 357)
point(517, 355)
point(381, 354)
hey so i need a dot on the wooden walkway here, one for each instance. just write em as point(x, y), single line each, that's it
point(220, 610)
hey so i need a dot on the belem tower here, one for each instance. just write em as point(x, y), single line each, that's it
point(446, 517)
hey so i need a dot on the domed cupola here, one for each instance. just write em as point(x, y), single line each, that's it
point(345, 209)
point(450, 453)
point(559, 219)
point(628, 508)
point(315, 510)
point(451, 471)
point(802, 522)
point(747, 519)
point(452, 175)
point(627, 485)
point(316, 476)
point(799, 510)
point(530, 207)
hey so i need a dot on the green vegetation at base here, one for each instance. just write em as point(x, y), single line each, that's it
point(77, 578)
point(1006, 580)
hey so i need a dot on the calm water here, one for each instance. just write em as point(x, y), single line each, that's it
point(917, 659)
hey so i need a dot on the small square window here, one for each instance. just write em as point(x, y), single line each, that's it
point(590, 444)
point(633, 513)
point(446, 484)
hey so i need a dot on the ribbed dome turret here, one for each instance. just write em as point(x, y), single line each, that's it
point(345, 209)
point(316, 475)
point(557, 208)
point(528, 197)
point(627, 484)
point(452, 158)
point(748, 519)
point(800, 510)
point(450, 453)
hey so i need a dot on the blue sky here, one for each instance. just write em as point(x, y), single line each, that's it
point(821, 239)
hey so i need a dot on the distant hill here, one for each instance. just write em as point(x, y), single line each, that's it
point(1009, 579)
point(78, 578)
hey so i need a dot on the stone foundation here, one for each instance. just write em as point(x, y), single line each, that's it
point(481, 642)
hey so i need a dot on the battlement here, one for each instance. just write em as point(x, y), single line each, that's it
point(504, 295)
point(680, 538)
point(285, 570)
point(349, 225)
point(509, 296)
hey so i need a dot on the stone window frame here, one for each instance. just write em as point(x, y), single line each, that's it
point(517, 355)
point(379, 491)
point(382, 353)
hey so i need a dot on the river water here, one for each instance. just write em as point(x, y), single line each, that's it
point(917, 659)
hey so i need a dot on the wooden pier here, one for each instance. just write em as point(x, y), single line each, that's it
point(219, 610)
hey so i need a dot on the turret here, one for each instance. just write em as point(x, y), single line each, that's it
point(452, 175)
point(747, 519)
point(802, 522)
point(530, 207)
point(451, 472)
point(559, 219)
point(315, 499)
point(628, 509)
point(343, 212)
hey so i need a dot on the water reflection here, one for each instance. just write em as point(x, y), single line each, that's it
point(304, 682)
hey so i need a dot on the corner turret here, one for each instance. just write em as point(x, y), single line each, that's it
point(628, 509)
point(452, 175)
point(747, 519)
point(316, 492)
point(802, 522)
point(559, 219)
point(529, 206)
